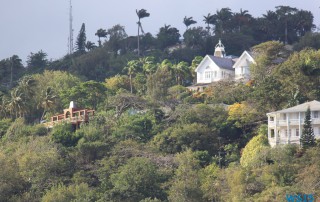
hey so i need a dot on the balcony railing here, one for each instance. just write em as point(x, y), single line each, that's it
point(283, 122)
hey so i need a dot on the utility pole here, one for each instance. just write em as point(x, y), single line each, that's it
point(70, 39)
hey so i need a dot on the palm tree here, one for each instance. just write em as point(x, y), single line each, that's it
point(242, 17)
point(148, 64)
point(180, 70)
point(223, 18)
point(132, 67)
point(47, 101)
point(16, 104)
point(90, 45)
point(209, 19)
point(188, 21)
point(142, 13)
point(101, 33)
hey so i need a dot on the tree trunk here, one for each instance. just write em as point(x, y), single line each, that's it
point(138, 38)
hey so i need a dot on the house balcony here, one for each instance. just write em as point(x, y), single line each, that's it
point(292, 122)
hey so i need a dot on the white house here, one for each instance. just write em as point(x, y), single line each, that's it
point(219, 67)
point(285, 126)
point(242, 66)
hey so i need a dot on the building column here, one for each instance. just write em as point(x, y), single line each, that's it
point(299, 127)
point(276, 135)
point(288, 128)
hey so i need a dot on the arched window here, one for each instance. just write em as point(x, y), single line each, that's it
point(68, 114)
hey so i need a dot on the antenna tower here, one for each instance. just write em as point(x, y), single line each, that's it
point(70, 38)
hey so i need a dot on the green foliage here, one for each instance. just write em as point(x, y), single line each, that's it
point(137, 127)
point(292, 74)
point(186, 183)
point(62, 193)
point(87, 94)
point(39, 163)
point(136, 180)
point(310, 39)
point(4, 125)
point(37, 62)
point(81, 40)
point(167, 36)
point(118, 82)
point(194, 136)
point(210, 183)
point(63, 133)
point(307, 137)
point(11, 181)
point(254, 152)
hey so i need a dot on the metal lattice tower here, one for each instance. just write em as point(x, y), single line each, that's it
point(70, 38)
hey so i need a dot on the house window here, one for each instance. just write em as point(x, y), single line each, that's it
point(271, 118)
point(207, 75)
point(272, 133)
point(284, 116)
point(316, 114)
point(242, 70)
point(297, 132)
point(215, 74)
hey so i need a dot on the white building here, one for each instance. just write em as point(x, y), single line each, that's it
point(219, 67)
point(285, 126)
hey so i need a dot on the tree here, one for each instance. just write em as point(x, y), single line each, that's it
point(307, 137)
point(37, 61)
point(131, 68)
point(74, 192)
point(81, 39)
point(48, 101)
point(223, 21)
point(195, 37)
point(242, 18)
point(209, 19)
point(187, 21)
point(136, 180)
point(142, 13)
point(101, 33)
point(167, 36)
point(90, 45)
point(186, 182)
point(181, 71)
point(253, 154)
point(117, 35)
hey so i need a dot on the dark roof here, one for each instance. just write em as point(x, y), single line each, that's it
point(225, 63)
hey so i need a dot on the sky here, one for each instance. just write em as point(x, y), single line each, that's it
point(32, 25)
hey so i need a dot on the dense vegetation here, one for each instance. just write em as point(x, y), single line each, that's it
point(151, 139)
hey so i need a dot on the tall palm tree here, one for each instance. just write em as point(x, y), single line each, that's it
point(142, 13)
point(101, 33)
point(188, 21)
point(209, 19)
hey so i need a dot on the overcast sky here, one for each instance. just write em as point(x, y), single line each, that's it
point(33, 25)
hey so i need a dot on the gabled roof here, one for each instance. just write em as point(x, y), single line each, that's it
point(314, 106)
point(245, 53)
point(224, 63)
